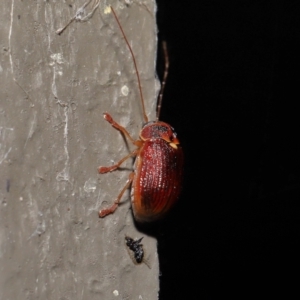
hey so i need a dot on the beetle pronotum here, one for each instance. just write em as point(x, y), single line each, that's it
point(157, 176)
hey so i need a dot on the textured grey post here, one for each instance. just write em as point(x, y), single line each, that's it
point(53, 92)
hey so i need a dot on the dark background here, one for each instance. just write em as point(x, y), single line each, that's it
point(233, 95)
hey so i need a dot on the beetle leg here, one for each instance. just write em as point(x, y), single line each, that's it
point(117, 126)
point(107, 211)
point(103, 170)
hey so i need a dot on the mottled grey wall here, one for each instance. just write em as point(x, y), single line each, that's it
point(53, 91)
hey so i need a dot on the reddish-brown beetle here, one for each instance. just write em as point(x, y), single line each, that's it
point(157, 176)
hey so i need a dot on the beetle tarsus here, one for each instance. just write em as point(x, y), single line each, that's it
point(107, 211)
point(108, 117)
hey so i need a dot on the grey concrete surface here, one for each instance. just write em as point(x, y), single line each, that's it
point(53, 92)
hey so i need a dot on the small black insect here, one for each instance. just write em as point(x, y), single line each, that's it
point(136, 247)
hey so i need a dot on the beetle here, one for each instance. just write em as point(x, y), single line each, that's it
point(158, 169)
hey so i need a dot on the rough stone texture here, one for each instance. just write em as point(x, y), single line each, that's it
point(53, 91)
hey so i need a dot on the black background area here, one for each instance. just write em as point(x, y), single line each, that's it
point(233, 95)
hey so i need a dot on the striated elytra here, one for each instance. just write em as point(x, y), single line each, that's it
point(158, 172)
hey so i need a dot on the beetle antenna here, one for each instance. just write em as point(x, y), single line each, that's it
point(135, 65)
point(163, 83)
